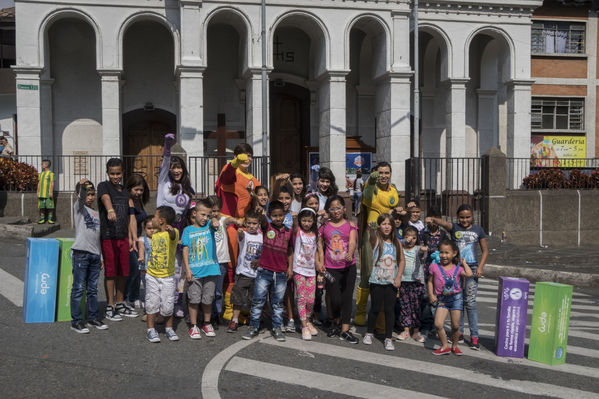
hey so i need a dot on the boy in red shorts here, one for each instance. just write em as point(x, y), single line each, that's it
point(113, 205)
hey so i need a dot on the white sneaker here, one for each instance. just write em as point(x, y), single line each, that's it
point(152, 335)
point(389, 344)
point(367, 340)
point(171, 334)
point(306, 334)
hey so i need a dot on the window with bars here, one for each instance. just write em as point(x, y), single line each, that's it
point(552, 37)
point(557, 114)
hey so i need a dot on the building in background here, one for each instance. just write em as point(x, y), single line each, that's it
point(111, 77)
point(8, 103)
point(564, 67)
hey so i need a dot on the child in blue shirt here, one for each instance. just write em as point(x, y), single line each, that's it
point(201, 266)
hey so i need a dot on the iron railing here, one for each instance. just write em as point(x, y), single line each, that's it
point(204, 171)
point(445, 184)
point(69, 169)
point(552, 173)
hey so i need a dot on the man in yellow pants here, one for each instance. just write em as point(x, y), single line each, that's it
point(379, 196)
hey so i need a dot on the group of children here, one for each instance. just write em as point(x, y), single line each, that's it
point(290, 249)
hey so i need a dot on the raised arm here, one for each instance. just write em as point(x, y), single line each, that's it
point(370, 189)
point(169, 140)
point(443, 223)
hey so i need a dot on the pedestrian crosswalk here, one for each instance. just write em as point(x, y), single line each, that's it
point(475, 373)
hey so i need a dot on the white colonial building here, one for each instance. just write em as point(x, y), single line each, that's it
point(112, 76)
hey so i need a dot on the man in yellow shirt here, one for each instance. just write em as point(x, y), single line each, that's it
point(160, 272)
point(379, 196)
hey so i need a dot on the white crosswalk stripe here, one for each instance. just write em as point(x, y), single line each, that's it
point(459, 374)
point(325, 382)
point(11, 288)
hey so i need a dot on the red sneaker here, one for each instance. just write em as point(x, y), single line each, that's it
point(456, 351)
point(232, 327)
point(442, 351)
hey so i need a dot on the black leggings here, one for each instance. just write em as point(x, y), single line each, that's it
point(341, 293)
point(382, 295)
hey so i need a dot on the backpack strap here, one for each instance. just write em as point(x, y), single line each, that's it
point(455, 272)
point(442, 272)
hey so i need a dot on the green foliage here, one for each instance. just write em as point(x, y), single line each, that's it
point(554, 178)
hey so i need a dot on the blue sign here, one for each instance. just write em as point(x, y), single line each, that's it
point(41, 280)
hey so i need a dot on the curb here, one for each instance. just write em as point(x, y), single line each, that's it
point(586, 280)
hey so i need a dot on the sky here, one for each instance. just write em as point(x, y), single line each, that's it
point(6, 3)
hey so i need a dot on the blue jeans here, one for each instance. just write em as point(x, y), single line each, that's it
point(86, 271)
point(469, 294)
point(217, 304)
point(268, 282)
point(357, 197)
point(133, 280)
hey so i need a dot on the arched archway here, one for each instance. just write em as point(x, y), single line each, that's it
point(76, 111)
point(489, 67)
point(298, 56)
point(368, 60)
point(227, 57)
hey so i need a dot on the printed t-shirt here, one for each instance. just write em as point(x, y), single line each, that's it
point(381, 202)
point(439, 281)
point(162, 257)
point(336, 245)
point(467, 240)
point(274, 248)
point(202, 250)
point(45, 179)
point(250, 248)
point(413, 268)
point(222, 242)
point(120, 203)
point(304, 254)
point(385, 270)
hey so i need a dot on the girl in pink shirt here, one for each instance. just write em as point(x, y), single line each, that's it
point(445, 292)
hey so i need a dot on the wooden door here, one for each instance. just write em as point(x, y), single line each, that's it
point(286, 144)
point(144, 141)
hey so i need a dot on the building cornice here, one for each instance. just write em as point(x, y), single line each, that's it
point(522, 9)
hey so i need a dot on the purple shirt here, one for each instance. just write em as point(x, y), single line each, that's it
point(336, 245)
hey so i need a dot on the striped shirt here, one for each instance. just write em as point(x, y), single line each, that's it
point(45, 179)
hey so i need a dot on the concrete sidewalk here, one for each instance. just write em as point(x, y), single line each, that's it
point(578, 266)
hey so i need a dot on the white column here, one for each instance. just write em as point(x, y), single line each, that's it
point(29, 110)
point(518, 129)
point(393, 130)
point(191, 110)
point(456, 118)
point(331, 96)
point(488, 134)
point(191, 39)
point(111, 112)
point(47, 117)
point(518, 133)
point(253, 96)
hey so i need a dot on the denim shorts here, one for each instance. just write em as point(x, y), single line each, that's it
point(451, 302)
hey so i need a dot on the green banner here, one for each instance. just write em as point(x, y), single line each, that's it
point(550, 322)
point(65, 281)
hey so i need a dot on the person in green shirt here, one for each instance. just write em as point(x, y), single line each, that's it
point(45, 193)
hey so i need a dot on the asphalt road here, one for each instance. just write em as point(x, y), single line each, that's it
point(50, 360)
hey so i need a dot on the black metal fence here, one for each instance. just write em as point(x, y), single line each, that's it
point(552, 173)
point(69, 169)
point(445, 184)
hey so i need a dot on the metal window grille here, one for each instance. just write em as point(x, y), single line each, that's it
point(550, 37)
point(557, 114)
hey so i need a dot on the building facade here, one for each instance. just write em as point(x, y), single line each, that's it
point(112, 76)
point(564, 68)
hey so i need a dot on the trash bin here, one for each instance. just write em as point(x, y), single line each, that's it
point(550, 322)
point(510, 320)
point(41, 280)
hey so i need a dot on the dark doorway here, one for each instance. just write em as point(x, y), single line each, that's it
point(143, 139)
point(289, 127)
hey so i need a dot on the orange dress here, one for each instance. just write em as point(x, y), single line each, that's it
point(232, 188)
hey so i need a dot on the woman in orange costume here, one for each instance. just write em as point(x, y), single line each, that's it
point(234, 187)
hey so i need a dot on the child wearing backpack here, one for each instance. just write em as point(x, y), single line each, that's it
point(445, 292)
